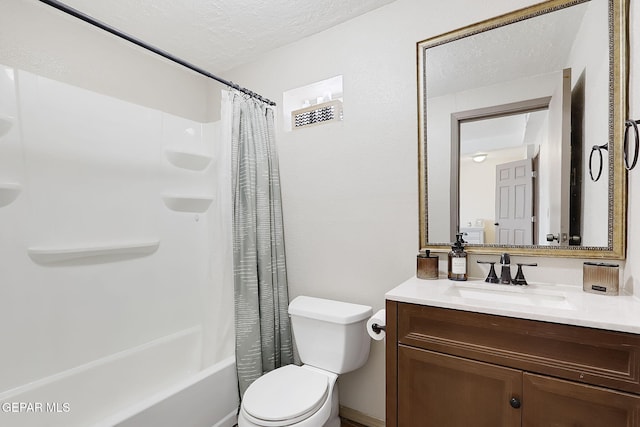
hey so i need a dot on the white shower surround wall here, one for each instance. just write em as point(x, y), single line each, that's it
point(96, 266)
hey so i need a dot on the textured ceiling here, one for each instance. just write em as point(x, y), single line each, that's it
point(218, 35)
point(535, 46)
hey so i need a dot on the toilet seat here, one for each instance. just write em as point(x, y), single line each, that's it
point(285, 396)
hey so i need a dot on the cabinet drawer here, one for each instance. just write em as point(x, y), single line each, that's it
point(586, 355)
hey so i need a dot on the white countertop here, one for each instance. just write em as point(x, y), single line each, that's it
point(549, 303)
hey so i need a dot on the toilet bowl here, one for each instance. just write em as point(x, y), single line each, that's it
point(331, 339)
point(295, 396)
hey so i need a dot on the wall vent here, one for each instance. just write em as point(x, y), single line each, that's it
point(330, 111)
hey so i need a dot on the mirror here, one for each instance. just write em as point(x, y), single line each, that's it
point(510, 110)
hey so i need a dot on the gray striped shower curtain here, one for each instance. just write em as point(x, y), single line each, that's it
point(263, 330)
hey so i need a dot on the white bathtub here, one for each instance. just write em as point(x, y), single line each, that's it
point(158, 384)
point(208, 398)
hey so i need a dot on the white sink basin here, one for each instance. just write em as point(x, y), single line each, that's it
point(508, 295)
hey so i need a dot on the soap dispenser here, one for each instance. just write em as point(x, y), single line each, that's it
point(458, 260)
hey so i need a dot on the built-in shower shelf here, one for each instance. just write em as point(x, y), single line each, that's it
point(184, 203)
point(187, 160)
point(93, 253)
point(8, 193)
point(6, 122)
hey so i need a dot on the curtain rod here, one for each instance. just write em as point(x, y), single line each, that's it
point(86, 18)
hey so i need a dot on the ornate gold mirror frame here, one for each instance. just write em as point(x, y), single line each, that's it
point(618, 63)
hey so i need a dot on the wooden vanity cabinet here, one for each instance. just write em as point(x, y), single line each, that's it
point(449, 368)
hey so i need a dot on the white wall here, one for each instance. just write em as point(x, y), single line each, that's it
point(350, 189)
point(632, 271)
point(92, 119)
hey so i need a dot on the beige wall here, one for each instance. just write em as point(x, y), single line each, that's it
point(350, 189)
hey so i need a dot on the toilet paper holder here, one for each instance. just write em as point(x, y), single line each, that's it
point(378, 328)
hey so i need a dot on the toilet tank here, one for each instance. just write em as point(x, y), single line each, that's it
point(330, 335)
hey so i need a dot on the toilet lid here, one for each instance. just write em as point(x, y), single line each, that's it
point(289, 393)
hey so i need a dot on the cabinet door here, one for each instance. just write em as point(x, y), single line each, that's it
point(559, 403)
point(439, 390)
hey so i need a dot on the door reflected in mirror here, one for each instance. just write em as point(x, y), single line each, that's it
point(498, 179)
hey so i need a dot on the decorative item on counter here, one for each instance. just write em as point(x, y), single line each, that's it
point(600, 278)
point(427, 265)
point(458, 260)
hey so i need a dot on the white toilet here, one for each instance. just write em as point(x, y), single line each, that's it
point(331, 337)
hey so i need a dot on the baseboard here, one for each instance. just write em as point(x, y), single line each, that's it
point(360, 418)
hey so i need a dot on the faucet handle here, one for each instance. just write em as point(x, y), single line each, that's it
point(519, 279)
point(492, 277)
